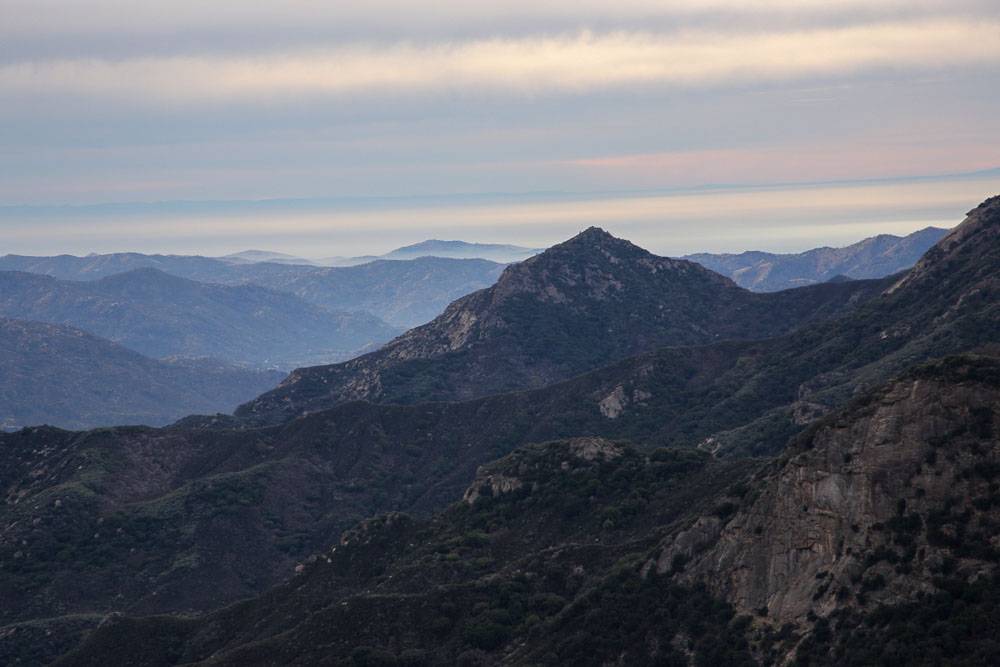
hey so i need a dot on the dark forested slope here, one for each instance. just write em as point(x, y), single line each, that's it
point(579, 305)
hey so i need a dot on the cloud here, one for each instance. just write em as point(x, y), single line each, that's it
point(777, 218)
point(41, 18)
point(532, 65)
point(105, 100)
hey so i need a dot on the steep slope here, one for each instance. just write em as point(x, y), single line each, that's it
point(577, 306)
point(57, 375)
point(848, 550)
point(887, 506)
point(874, 257)
point(160, 315)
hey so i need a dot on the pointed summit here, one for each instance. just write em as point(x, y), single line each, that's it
point(581, 304)
point(594, 235)
point(597, 239)
point(595, 266)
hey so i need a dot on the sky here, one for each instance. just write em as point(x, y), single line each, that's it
point(337, 128)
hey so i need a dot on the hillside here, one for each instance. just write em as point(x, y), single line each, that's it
point(161, 315)
point(56, 375)
point(537, 533)
point(851, 549)
point(875, 257)
point(579, 305)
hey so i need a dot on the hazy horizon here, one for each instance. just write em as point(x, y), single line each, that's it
point(345, 129)
point(784, 218)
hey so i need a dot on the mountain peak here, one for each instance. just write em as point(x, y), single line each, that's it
point(595, 236)
point(595, 246)
point(589, 301)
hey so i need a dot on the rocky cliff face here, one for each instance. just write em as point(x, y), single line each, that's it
point(870, 505)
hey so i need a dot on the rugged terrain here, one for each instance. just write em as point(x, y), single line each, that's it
point(589, 552)
point(52, 374)
point(214, 509)
point(528, 553)
point(874, 257)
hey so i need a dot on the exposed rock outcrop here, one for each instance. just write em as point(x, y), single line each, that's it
point(862, 508)
point(504, 476)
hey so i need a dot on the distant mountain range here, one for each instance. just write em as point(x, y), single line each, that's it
point(161, 315)
point(403, 293)
point(407, 295)
point(192, 267)
point(494, 252)
point(58, 375)
point(258, 256)
point(873, 257)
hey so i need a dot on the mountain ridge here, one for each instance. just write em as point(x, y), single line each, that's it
point(160, 315)
point(874, 257)
point(581, 304)
point(403, 293)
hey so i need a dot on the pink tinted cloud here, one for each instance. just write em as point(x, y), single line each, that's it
point(857, 159)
